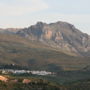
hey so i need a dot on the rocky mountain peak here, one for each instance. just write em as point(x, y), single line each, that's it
point(40, 23)
point(60, 35)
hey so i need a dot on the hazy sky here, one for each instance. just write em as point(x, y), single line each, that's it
point(23, 13)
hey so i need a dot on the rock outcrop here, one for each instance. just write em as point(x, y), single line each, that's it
point(60, 35)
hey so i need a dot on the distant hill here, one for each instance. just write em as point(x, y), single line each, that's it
point(14, 30)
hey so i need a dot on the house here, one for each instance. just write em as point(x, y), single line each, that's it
point(2, 78)
point(26, 81)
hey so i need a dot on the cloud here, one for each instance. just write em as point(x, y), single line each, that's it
point(20, 7)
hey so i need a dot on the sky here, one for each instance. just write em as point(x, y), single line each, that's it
point(23, 13)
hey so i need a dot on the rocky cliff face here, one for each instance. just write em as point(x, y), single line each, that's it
point(60, 35)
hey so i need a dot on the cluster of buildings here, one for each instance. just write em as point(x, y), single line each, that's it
point(7, 71)
point(7, 79)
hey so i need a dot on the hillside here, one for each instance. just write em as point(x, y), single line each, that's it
point(19, 83)
point(24, 83)
point(35, 55)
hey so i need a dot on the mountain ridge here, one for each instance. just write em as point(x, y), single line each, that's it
point(60, 35)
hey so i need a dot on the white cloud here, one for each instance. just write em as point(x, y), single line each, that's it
point(20, 7)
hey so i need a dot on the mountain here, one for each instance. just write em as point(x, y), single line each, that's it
point(53, 47)
point(62, 36)
point(57, 47)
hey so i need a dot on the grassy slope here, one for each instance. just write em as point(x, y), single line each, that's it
point(18, 50)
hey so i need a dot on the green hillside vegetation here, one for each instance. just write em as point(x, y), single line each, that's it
point(27, 84)
point(24, 83)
